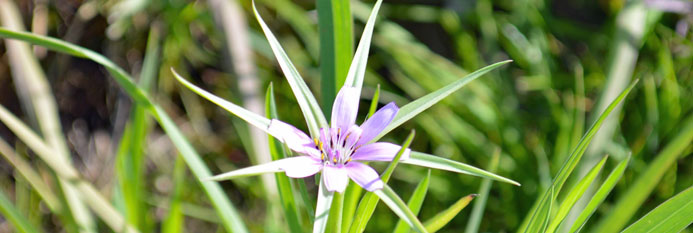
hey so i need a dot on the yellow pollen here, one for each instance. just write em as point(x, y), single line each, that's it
point(334, 160)
point(322, 156)
point(316, 141)
point(349, 160)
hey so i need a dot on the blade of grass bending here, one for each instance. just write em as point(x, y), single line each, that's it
point(574, 194)
point(480, 203)
point(322, 208)
point(252, 118)
point(415, 202)
point(672, 216)
point(533, 219)
point(600, 195)
point(67, 172)
point(370, 200)
point(628, 204)
point(417, 106)
point(231, 220)
point(336, 47)
point(12, 214)
point(309, 106)
point(444, 217)
point(286, 192)
point(357, 70)
point(432, 161)
point(40, 102)
point(396, 204)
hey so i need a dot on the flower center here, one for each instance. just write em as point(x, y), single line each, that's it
point(336, 145)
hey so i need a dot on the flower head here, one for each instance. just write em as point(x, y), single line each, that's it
point(338, 149)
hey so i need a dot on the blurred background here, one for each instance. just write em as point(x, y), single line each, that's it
point(571, 58)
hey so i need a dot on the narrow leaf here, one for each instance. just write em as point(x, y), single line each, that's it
point(415, 202)
point(396, 204)
point(12, 215)
point(357, 70)
point(309, 106)
point(480, 203)
point(443, 218)
point(574, 195)
point(432, 161)
point(600, 195)
point(419, 105)
point(672, 216)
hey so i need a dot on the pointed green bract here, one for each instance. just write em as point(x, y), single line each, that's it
point(432, 161)
point(600, 195)
point(444, 217)
point(390, 198)
point(574, 194)
point(417, 106)
point(357, 70)
point(672, 216)
point(309, 106)
point(539, 215)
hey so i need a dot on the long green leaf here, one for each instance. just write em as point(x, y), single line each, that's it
point(419, 105)
point(432, 161)
point(231, 220)
point(336, 47)
point(370, 200)
point(396, 204)
point(600, 195)
point(444, 217)
point(628, 204)
point(12, 214)
point(309, 106)
point(574, 195)
point(357, 70)
point(672, 216)
point(286, 192)
point(415, 202)
point(535, 220)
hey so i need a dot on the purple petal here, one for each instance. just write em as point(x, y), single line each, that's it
point(336, 178)
point(379, 151)
point(345, 107)
point(293, 137)
point(300, 166)
point(376, 123)
point(364, 175)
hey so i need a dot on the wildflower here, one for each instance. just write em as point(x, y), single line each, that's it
point(338, 149)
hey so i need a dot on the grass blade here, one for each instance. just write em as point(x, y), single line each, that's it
point(443, 218)
point(600, 195)
point(419, 105)
point(637, 193)
point(336, 47)
point(286, 192)
point(480, 204)
point(672, 216)
point(12, 214)
point(415, 202)
point(432, 161)
point(309, 106)
point(574, 194)
point(230, 218)
point(370, 200)
point(396, 204)
point(539, 213)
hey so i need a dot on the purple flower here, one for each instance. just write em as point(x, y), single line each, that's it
point(338, 150)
